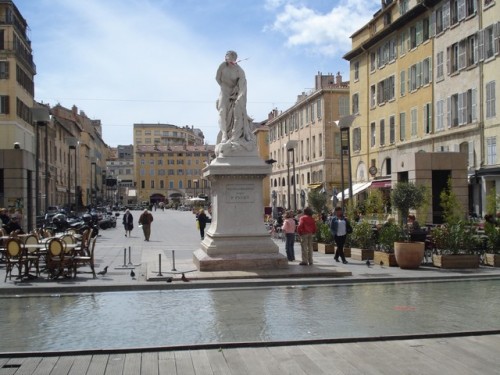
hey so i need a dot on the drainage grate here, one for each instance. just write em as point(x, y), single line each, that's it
point(11, 365)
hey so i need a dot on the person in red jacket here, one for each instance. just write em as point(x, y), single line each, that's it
point(306, 230)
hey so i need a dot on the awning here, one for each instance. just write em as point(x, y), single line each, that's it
point(380, 184)
point(356, 189)
point(314, 186)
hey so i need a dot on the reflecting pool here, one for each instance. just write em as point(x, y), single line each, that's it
point(183, 317)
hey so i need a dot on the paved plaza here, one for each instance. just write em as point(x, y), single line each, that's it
point(174, 232)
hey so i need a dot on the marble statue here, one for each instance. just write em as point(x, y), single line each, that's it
point(235, 125)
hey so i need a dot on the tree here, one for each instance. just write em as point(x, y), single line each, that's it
point(317, 200)
point(407, 196)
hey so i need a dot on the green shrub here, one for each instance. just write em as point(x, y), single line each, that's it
point(362, 235)
point(388, 234)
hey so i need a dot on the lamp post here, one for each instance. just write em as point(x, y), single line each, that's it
point(41, 117)
point(290, 147)
point(344, 125)
point(93, 180)
point(72, 145)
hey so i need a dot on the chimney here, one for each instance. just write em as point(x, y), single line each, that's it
point(74, 109)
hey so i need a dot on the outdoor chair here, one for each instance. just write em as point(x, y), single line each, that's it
point(31, 253)
point(57, 259)
point(84, 260)
point(14, 257)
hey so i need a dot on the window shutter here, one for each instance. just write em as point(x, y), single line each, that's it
point(474, 105)
point(432, 25)
point(448, 111)
point(448, 60)
point(446, 15)
point(431, 73)
point(481, 45)
point(471, 154)
point(461, 9)
point(496, 38)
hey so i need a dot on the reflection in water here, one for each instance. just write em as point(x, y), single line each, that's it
point(178, 317)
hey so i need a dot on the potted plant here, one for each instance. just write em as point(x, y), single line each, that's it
point(406, 196)
point(456, 241)
point(388, 234)
point(492, 256)
point(325, 244)
point(362, 240)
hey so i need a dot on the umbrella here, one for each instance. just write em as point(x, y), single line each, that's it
point(196, 199)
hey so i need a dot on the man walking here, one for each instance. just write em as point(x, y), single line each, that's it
point(145, 220)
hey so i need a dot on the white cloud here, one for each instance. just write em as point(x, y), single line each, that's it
point(327, 34)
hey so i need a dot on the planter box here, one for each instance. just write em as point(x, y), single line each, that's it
point(384, 259)
point(326, 248)
point(315, 246)
point(361, 254)
point(492, 260)
point(456, 261)
point(347, 252)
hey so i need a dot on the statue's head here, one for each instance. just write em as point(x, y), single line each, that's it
point(231, 56)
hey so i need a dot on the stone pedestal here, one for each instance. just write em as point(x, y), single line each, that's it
point(237, 238)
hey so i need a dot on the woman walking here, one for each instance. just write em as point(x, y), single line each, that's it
point(128, 222)
point(202, 222)
point(288, 228)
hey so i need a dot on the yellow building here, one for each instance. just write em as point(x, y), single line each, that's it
point(168, 161)
point(419, 76)
point(304, 142)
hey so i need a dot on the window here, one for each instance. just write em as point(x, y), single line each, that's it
point(152, 184)
point(402, 126)
point(343, 106)
point(355, 104)
point(356, 139)
point(373, 93)
point(402, 89)
point(320, 145)
point(489, 42)
point(491, 150)
point(428, 118)
point(4, 70)
point(440, 65)
point(385, 90)
point(373, 61)
point(426, 71)
point(4, 104)
point(356, 70)
point(414, 123)
point(490, 100)
point(392, 129)
point(373, 132)
point(318, 108)
point(403, 6)
point(440, 115)
point(382, 132)
point(470, 7)
point(472, 50)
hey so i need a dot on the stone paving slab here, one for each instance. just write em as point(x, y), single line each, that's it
point(174, 235)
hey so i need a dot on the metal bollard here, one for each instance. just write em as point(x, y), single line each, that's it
point(129, 256)
point(159, 265)
point(173, 260)
point(125, 257)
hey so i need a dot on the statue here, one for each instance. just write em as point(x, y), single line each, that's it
point(235, 125)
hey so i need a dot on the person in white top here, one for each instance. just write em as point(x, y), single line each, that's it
point(340, 228)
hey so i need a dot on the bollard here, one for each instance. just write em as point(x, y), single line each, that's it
point(125, 257)
point(173, 260)
point(159, 265)
point(129, 256)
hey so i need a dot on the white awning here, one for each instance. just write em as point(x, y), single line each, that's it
point(356, 189)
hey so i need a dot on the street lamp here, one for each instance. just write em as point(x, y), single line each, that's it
point(93, 180)
point(290, 146)
point(41, 117)
point(72, 145)
point(344, 125)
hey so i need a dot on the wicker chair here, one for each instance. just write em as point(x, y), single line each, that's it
point(32, 255)
point(85, 260)
point(57, 260)
point(13, 257)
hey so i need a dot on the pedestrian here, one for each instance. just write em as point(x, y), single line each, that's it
point(202, 222)
point(306, 230)
point(145, 220)
point(288, 228)
point(128, 222)
point(340, 228)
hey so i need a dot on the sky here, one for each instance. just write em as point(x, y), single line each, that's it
point(154, 61)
